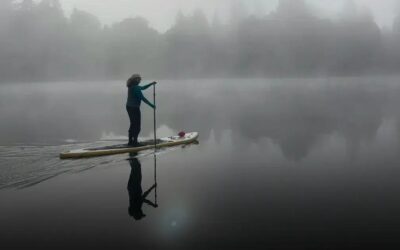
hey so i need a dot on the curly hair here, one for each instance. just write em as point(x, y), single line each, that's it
point(133, 80)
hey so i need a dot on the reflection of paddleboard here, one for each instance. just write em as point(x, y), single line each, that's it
point(120, 149)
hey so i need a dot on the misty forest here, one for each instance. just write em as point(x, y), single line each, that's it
point(40, 42)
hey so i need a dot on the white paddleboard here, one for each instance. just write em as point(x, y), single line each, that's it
point(124, 148)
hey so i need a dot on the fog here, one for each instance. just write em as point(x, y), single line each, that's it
point(298, 115)
point(42, 41)
point(111, 12)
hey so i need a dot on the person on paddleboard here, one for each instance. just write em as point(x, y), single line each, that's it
point(135, 97)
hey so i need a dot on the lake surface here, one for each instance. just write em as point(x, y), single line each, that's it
point(281, 163)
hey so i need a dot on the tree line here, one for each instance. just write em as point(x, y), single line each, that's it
point(39, 42)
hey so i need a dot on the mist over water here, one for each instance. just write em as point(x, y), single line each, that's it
point(296, 115)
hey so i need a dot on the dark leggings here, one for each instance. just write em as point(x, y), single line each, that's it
point(135, 119)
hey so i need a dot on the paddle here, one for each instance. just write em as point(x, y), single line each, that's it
point(154, 113)
point(155, 179)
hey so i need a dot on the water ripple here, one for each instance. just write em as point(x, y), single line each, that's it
point(26, 166)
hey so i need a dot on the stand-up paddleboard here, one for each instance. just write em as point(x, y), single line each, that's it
point(124, 148)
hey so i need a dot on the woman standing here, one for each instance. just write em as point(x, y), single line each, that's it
point(135, 97)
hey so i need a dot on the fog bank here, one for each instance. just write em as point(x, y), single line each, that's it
point(40, 42)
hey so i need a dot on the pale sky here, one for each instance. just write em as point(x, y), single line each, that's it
point(161, 13)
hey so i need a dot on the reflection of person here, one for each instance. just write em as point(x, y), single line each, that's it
point(135, 97)
point(136, 195)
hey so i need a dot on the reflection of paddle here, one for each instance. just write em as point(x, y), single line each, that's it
point(155, 179)
point(154, 114)
point(155, 146)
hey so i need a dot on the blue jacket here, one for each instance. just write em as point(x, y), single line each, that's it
point(135, 96)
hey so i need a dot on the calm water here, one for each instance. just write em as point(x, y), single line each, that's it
point(300, 163)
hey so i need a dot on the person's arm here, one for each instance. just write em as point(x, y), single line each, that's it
point(150, 203)
point(146, 101)
point(145, 194)
point(147, 86)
